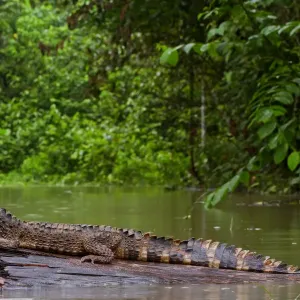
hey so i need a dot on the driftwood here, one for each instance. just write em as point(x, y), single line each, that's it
point(25, 268)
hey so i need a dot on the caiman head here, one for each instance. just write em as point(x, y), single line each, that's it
point(10, 226)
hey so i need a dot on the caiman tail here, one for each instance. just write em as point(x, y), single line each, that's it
point(196, 252)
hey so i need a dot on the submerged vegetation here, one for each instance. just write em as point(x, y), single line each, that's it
point(179, 92)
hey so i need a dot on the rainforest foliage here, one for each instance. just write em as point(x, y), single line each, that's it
point(202, 93)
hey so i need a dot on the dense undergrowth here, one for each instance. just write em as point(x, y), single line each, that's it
point(151, 93)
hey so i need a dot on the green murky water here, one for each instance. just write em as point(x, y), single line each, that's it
point(271, 230)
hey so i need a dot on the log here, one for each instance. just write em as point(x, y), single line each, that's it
point(27, 268)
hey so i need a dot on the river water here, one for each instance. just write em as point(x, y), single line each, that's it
point(259, 223)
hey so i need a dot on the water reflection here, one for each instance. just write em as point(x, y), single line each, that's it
point(205, 292)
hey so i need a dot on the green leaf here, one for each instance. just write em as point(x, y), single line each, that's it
point(204, 47)
point(245, 178)
point(278, 110)
point(293, 88)
point(295, 181)
point(219, 195)
point(280, 153)
point(209, 199)
point(187, 48)
point(233, 183)
point(253, 164)
point(264, 115)
point(270, 29)
point(284, 97)
point(266, 129)
point(170, 56)
point(293, 160)
point(295, 30)
point(297, 80)
point(197, 48)
point(274, 142)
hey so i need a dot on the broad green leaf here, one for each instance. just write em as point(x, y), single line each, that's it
point(208, 200)
point(266, 129)
point(178, 47)
point(293, 160)
point(296, 80)
point(187, 48)
point(295, 30)
point(215, 31)
point(295, 181)
point(280, 153)
point(170, 56)
point(286, 125)
point(284, 97)
point(219, 195)
point(274, 142)
point(264, 115)
point(285, 28)
point(245, 178)
point(253, 164)
point(233, 183)
point(293, 88)
point(270, 29)
point(197, 48)
point(204, 48)
point(212, 50)
point(278, 110)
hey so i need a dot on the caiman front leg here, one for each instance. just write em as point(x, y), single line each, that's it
point(101, 246)
point(9, 244)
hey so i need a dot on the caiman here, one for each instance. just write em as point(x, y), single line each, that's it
point(102, 244)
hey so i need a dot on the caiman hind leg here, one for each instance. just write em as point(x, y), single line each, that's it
point(101, 247)
point(103, 255)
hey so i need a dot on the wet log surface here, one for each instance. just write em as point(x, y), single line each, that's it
point(26, 268)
